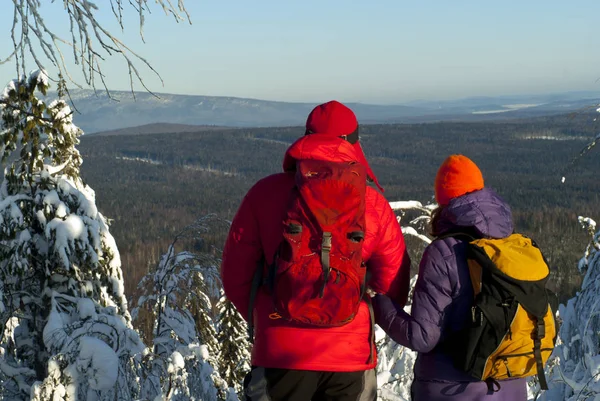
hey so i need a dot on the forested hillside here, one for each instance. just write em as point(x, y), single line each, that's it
point(153, 185)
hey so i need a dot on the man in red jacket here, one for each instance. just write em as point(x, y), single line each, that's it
point(293, 362)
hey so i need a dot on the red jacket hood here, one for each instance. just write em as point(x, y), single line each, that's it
point(318, 147)
point(324, 147)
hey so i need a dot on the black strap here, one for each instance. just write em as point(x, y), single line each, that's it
point(365, 284)
point(493, 385)
point(459, 234)
point(272, 270)
point(537, 352)
point(256, 283)
point(367, 298)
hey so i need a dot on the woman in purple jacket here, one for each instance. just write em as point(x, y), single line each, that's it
point(443, 293)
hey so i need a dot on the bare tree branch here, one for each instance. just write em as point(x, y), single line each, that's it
point(90, 42)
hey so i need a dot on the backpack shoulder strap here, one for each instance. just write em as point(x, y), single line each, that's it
point(257, 281)
point(539, 333)
point(464, 235)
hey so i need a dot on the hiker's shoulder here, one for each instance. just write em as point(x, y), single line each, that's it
point(273, 182)
point(443, 247)
point(376, 202)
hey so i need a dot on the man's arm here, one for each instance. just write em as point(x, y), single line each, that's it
point(241, 254)
point(389, 264)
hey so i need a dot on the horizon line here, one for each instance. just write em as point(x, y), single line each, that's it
point(409, 103)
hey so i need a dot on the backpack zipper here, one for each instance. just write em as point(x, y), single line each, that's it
point(506, 308)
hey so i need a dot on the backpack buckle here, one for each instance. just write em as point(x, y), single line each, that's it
point(325, 260)
point(326, 243)
point(541, 329)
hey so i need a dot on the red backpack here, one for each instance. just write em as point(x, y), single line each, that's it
point(318, 275)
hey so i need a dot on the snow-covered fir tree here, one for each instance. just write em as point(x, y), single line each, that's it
point(176, 299)
point(66, 330)
point(235, 348)
point(575, 373)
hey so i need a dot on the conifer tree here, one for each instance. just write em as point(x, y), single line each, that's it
point(67, 329)
point(176, 298)
point(573, 370)
point(235, 349)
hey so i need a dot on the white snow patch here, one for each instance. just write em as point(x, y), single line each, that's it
point(275, 141)
point(587, 222)
point(192, 167)
point(176, 362)
point(412, 231)
point(507, 107)
point(54, 334)
point(415, 205)
point(86, 308)
point(39, 76)
point(554, 138)
point(99, 361)
point(66, 232)
point(140, 159)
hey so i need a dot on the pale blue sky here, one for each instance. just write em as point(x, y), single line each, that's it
point(376, 51)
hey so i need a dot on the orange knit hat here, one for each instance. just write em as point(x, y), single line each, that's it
point(457, 175)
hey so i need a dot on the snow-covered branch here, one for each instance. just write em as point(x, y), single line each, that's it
point(416, 227)
point(177, 303)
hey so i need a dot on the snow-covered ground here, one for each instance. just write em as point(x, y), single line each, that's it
point(268, 140)
point(555, 138)
point(192, 167)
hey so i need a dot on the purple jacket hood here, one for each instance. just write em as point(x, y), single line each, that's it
point(482, 212)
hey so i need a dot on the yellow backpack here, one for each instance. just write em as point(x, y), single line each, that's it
point(512, 330)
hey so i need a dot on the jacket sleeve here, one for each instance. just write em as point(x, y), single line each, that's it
point(241, 254)
point(421, 330)
point(389, 264)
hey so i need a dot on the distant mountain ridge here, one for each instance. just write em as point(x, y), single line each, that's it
point(97, 112)
point(158, 128)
